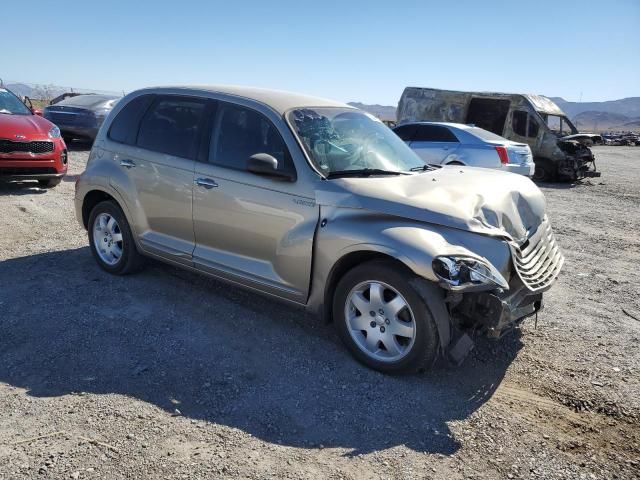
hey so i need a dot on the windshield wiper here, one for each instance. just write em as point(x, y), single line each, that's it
point(424, 168)
point(363, 172)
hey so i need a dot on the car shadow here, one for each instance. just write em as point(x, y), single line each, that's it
point(201, 349)
point(26, 187)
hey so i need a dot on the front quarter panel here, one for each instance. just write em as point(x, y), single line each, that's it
point(415, 244)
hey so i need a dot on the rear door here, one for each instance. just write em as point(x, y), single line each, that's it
point(159, 164)
point(254, 230)
point(434, 143)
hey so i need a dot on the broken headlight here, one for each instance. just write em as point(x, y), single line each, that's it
point(462, 273)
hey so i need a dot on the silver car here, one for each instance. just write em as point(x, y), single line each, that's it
point(320, 205)
point(457, 144)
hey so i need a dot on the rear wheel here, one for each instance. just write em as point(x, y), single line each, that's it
point(383, 320)
point(111, 240)
point(52, 182)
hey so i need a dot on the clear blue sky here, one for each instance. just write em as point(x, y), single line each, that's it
point(361, 50)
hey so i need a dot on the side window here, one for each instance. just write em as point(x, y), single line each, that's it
point(124, 127)
point(406, 132)
point(520, 123)
point(434, 133)
point(533, 127)
point(241, 132)
point(173, 125)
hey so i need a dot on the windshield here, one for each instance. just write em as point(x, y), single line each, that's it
point(342, 139)
point(560, 125)
point(11, 105)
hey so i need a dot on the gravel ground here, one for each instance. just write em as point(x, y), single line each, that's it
point(166, 374)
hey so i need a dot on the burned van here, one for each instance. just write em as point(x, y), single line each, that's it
point(531, 119)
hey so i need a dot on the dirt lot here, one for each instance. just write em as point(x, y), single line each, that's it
point(166, 374)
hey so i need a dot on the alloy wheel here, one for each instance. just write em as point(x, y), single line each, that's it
point(380, 321)
point(107, 239)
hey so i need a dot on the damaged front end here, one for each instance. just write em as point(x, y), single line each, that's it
point(579, 161)
point(477, 309)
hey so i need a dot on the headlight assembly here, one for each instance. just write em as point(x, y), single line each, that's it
point(54, 132)
point(466, 273)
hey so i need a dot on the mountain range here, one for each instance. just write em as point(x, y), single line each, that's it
point(622, 114)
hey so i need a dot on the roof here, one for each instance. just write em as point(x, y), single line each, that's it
point(540, 102)
point(278, 100)
point(544, 104)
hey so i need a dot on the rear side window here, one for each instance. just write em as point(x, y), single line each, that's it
point(241, 132)
point(173, 125)
point(434, 133)
point(124, 127)
point(406, 132)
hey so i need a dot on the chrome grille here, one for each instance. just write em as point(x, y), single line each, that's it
point(538, 261)
point(9, 146)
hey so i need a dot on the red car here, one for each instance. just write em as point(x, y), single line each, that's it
point(31, 147)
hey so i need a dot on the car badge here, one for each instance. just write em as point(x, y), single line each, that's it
point(20, 137)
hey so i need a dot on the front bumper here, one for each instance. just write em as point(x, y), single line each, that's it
point(493, 314)
point(29, 176)
point(35, 166)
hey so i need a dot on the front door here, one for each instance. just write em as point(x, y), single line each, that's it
point(254, 230)
point(525, 128)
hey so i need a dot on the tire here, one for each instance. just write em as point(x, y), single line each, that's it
point(417, 352)
point(53, 182)
point(544, 171)
point(119, 239)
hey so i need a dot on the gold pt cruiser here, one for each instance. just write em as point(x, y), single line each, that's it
point(320, 205)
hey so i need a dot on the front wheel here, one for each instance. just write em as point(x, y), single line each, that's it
point(383, 320)
point(111, 240)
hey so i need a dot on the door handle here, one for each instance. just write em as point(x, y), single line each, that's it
point(206, 183)
point(127, 163)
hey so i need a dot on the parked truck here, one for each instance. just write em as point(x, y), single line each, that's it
point(532, 119)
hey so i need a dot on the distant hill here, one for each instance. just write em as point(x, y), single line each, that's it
point(629, 107)
point(33, 91)
point(383, 112)
point(605, 121)
point(44, 91)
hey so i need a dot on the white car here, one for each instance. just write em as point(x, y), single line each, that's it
point(459, 144)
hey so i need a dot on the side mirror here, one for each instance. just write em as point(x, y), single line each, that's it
point(267, 165)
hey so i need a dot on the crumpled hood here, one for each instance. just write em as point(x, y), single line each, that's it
point(31, 126)
point(473, 199)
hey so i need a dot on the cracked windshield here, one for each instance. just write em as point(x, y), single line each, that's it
point(350, 142)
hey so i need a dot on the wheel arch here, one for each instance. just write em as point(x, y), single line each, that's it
point(90, 200)
point(431, 293)
point(346, 263)
point(94, 196)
